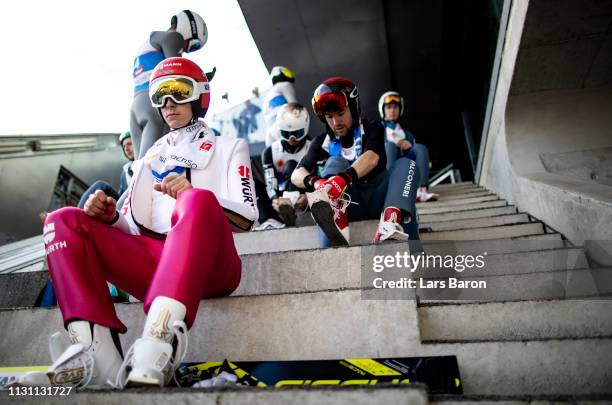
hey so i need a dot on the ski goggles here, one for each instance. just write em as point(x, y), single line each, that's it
point(194, 45)
point(288, 73)
point(327, 100)
point(180, 89)
point(393, 98)
point(295, 135)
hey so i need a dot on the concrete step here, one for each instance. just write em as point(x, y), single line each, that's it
point(362, 233)
point(520, 400)
point(322, 325)
point(451, 197)
point(458, 201)
point(493, 232)
point(459, 191)
point(363, 395)
point(454, 186)
point(525, 320)
point(21, 290)
point(561, 284)
point(450, 192)
point(548, 367)
point(477, 222)
point(513, 263)
point(477, 213)
point(463, 207)
point(309, 271)
point(341, 324)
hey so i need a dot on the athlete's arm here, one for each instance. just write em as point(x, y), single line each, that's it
point(309, 162)
point(288, 92)
point(240, 209)
point(365, 163)
point(298, 175)
point(169, 42)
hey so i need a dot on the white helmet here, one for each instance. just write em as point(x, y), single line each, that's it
point(281, 74)
point(390, 97)
point(193, 29)
point(293, 121)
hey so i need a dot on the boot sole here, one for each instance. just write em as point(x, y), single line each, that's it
point(287, 213)
point(142, 382)
point(323, 215)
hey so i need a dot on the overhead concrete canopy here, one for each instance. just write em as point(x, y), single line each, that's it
point(438, 54)
point(319, 39)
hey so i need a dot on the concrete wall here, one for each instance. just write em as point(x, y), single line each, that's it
point(549, 101)
point(28, 177)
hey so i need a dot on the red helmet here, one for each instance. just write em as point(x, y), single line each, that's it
point(183, 81)
point(333, 95)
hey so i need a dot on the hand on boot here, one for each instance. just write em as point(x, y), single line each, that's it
point(335, 186)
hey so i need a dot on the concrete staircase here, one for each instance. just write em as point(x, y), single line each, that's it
point(542, 333)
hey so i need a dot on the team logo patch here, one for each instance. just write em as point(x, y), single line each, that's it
point(244, 171)
point(73, 375)
point(206, 146)
point(247, 193)
point(49, 233)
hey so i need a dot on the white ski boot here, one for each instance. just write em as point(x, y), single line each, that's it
point(151, 360)
point(88, 362)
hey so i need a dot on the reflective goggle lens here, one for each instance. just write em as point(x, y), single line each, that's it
point(325, 100)
point(297, 135)
point(392, 99)
point(288, 73)
point(179, 89)
point(194, 45)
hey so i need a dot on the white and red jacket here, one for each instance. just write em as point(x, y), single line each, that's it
point(219, 164)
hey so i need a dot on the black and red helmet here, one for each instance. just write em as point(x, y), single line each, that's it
point(333, 95)
point(181, 80)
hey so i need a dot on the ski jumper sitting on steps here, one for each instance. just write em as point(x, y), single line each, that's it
point(169, 246)
point(354, 170)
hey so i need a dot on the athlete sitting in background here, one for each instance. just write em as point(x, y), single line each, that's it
point(400, 142)
point(279, 161)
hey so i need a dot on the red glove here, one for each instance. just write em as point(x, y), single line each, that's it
point(336, 184)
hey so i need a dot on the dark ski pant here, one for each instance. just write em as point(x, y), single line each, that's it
point(419, 153)
point(396, 187)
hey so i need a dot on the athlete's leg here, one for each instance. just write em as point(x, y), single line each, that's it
point(199, 258)
point(392, 152)
point(151, 132)
point(401, 192)
point(149, 120)
point(333, 166)
point(421, 157)
point(83, 254)
point(135, 129)
point(286, 175)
